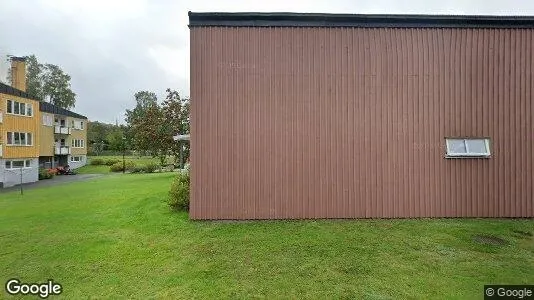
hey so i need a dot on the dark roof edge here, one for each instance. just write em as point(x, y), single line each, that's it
point(284, 19)
point(9, 90)
point(54, 109)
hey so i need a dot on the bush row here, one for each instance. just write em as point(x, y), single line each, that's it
point(132, 168)
point(101, 162)
point(179, 194)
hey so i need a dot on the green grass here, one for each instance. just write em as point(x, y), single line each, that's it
point(138, 160)
point(114, 237)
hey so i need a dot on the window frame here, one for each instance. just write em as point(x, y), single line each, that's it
point(9, 106)
point(78, 143)
point(26, 136)
point(24, 109)
point(26, 164)
point(468, 154)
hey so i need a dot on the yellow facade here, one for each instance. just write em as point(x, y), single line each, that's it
point(17, 123)
point(80, 134)
point(46, 137)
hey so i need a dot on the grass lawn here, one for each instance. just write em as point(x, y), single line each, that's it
point(113, 237)
point(138, 160)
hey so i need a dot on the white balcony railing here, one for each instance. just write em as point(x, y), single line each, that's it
point(62, 150)
point(61, 129)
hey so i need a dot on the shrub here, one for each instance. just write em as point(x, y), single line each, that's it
point(97, 161)
point(179, 194)
point(137, 169)
point(111, 162)
point(46, 174)
point(150, 167)
point(117, 167)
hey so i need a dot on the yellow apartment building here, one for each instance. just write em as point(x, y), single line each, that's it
point(19, 129)
point(36, 134)
point(63, 137)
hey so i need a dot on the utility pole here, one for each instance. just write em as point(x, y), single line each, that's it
point(21, 192)
point(123, 152)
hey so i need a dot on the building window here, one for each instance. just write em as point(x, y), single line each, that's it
point(77, 125)
point(19, 108)
point(78, 143)
point(19, 139)
point(48, 120)
point(17, 164)
point(468, 147)
point(76, 158)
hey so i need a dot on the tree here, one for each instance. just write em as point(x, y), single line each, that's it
point(56, 87)
point(143, 100)
point(176, 114)
point(151, 126)
point(48, 82)
point(103, 136)
point(34, 80)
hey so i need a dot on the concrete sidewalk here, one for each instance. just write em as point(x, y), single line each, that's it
point(57, 180)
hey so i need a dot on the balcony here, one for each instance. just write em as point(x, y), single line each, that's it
point(61, 129)
point(62, 150)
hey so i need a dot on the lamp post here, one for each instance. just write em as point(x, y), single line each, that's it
point(123, 152)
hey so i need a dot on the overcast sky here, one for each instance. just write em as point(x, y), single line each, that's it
point(113, 48)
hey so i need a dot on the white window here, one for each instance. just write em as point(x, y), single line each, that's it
point(77, 125)
point(76, 158)
point(19, 108)
point(78, 143)
point(19, 138)
point(48, 120)
point(17, 164)
point(465, 147)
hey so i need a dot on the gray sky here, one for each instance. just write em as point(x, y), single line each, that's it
point(113, 48)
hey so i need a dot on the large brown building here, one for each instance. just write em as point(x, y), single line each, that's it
point(361, 116)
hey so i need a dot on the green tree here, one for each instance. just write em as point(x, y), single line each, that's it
point(56, 87)
point(48, 82)
point(34, 77)
point(176, 115)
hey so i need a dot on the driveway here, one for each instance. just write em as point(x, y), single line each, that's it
point(51, 182)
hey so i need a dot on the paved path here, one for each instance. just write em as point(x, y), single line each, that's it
point(51, 182)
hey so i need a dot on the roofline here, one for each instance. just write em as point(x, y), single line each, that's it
point(50, 108)
point(11, 91)
point(285, 19)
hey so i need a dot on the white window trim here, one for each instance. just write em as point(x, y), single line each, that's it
point(78, 125)
point(79, 159)
point(468, 154)
point(19, 114)
point(79, 142)
point(25, 139)
point(18, 168)
point(48, 118)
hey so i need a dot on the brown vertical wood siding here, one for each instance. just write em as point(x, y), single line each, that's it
point(293, 122)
